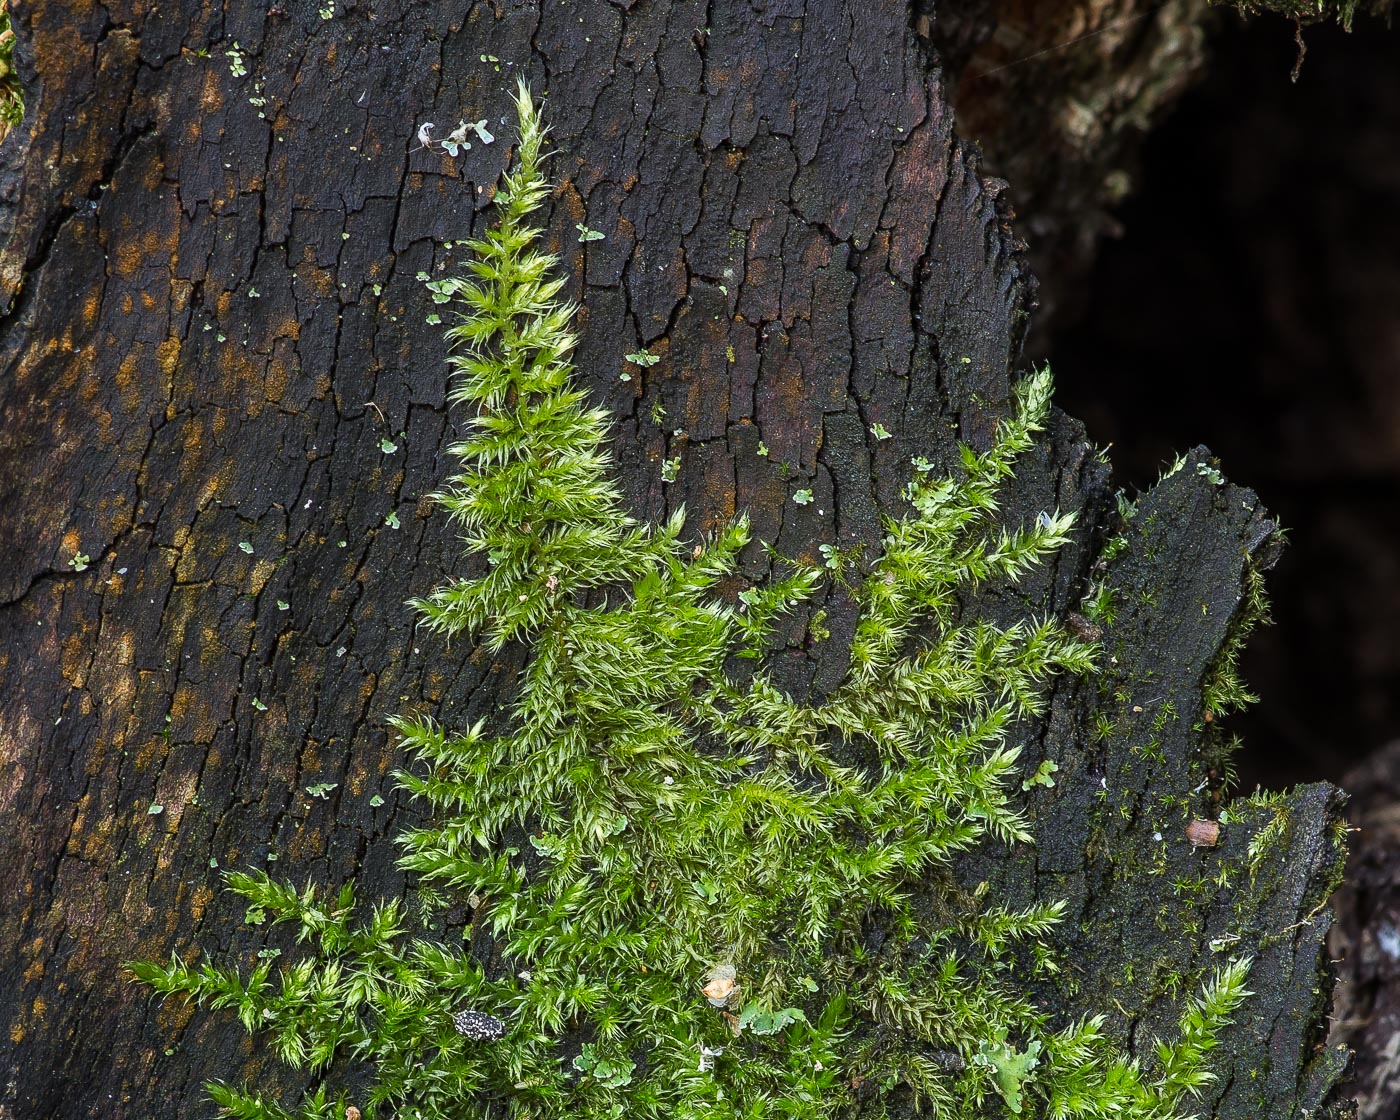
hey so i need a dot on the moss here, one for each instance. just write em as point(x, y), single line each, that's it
point(1305, 12)
point(11, 97)
point(1224, 690)
point(701, 892)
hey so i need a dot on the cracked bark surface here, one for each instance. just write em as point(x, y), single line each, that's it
point(213, 322)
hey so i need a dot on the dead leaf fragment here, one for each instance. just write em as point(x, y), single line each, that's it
point(721, 984)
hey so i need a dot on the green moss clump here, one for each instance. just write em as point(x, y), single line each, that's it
point(11, 96)
point(1304, 12)
point(679, 866)
point(1224, 690)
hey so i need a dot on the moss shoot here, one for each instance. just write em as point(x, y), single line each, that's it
point(680, 865)
point(11, 97)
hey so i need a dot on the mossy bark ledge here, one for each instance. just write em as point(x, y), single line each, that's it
point(224, 408)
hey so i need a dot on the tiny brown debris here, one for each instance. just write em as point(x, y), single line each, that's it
point(720, 984)
point(1082, 628)
point(718, 990)
point(1203, 834)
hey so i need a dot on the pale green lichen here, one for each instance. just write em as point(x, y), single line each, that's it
point(677, 864)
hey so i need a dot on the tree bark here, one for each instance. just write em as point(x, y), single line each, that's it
point(213, 223)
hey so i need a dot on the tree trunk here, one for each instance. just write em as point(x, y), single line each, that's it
point(223, 407)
